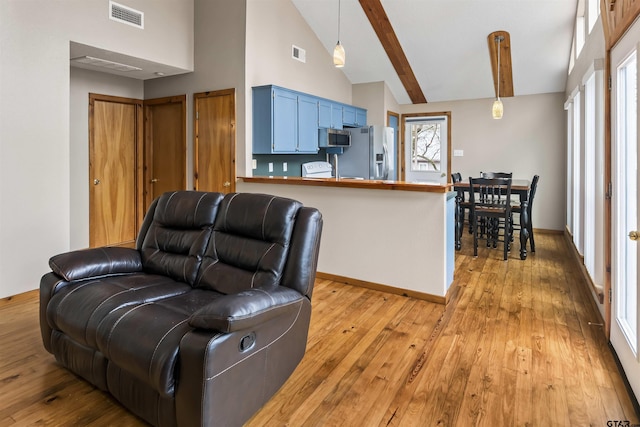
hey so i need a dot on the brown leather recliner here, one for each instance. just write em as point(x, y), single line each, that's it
point(203, 321)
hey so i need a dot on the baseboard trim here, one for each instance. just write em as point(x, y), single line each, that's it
point(383, 288)
point(19, 297)
point(579, 261)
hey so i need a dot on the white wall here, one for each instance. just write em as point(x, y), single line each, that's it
point(35, 152)
point(219, 64)
point(528, 140)
point(82, 83)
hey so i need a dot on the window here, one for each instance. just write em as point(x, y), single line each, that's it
point(593, 12)
point(577, 176)
point(425, 145)
point(589, 174)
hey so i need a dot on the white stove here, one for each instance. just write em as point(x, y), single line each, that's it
point(317, 170)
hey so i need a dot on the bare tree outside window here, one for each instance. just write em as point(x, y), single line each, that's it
point(425, 147)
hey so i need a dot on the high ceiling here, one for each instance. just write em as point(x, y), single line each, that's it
point(445, 42)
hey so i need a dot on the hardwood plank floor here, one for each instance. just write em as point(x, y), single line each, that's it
point(515, 346)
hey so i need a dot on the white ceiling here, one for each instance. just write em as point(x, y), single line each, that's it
point(445, 42)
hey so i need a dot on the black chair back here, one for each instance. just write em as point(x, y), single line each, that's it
point(496, 174)
point(490, 200)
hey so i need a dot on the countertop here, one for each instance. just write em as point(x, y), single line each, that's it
point(352, 183)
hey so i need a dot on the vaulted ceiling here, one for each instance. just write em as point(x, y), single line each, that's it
point(445, 43)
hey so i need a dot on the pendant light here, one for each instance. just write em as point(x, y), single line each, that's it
point(498, 108)
point(338, 51)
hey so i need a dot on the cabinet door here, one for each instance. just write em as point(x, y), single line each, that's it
point(348, 116)
point(361, 117)
point(307, 125)
point(324, 114)
point(336, 116)
point(285, 123)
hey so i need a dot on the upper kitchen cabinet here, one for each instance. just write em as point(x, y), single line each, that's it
point(284, 121)
point(329, 114)
point(354, 116)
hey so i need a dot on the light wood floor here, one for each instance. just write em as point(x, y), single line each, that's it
point(514, 347)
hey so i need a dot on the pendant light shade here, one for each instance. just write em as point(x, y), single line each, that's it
point(498, 108)
point(338, 55)
point(338, 52)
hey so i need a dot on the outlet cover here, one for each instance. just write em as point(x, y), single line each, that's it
point(284, 166)
point(270, 166)
point(458, 153)
point(254, 164)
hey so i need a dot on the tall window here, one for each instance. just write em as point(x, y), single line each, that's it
point(593, 12)
point(589, 173)
point(577, 176)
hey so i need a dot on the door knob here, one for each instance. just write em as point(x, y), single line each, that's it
point(154, 180)
point(226, 184)
point(634, 235)
point(96, 181)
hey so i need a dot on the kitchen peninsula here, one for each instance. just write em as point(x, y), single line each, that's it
point(390, 235)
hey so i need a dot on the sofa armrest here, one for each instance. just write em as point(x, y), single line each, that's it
point(246, 309)
point(96, 262)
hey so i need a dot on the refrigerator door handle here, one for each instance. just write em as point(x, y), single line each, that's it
point(385, 173)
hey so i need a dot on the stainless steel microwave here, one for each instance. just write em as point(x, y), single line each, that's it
point(337, 138)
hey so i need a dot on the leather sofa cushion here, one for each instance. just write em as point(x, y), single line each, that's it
point(178, 234)
point(144, 339)
point(249, 245)
point(78, 308)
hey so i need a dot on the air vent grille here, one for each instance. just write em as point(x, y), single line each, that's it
point(298, 53)
point(126, 15)
point(97, 62)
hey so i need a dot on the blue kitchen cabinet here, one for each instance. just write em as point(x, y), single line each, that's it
point(329, 114)
point(284, 121)
point(361, 117)
point(307, 124)
point(354, 116)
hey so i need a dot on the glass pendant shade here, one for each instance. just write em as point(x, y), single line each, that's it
point(497, 109)
point(338, 56)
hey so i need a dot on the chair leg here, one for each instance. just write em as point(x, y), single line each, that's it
point(474, 224)
point(531, 240)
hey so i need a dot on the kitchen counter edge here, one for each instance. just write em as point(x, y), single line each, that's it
point(352, 183)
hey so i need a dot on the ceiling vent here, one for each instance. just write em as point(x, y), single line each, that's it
point(126, 15)
point(298, 53)
point(105, 63)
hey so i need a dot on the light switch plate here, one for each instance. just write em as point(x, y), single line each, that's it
point(284, 166)
point(254, 164)
point(270, 166)
point(458, 153)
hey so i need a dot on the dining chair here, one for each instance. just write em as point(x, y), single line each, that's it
point(462, 201)
point(490, 200)
point(516, 207)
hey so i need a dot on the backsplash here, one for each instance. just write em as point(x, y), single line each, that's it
point(294, 163)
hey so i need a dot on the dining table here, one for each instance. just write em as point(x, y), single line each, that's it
point(519, 187)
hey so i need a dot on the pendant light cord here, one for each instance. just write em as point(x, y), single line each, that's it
point(338, 21)
point(498, 94)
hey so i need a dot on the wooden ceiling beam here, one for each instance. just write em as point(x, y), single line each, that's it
point(506, 75)
point(387, 36)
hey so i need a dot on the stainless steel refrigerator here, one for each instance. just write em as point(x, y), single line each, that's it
point(372, 154)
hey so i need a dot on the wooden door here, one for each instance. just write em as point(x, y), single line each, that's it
point(115, 160)
point(215, 141)
point(165, 146)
